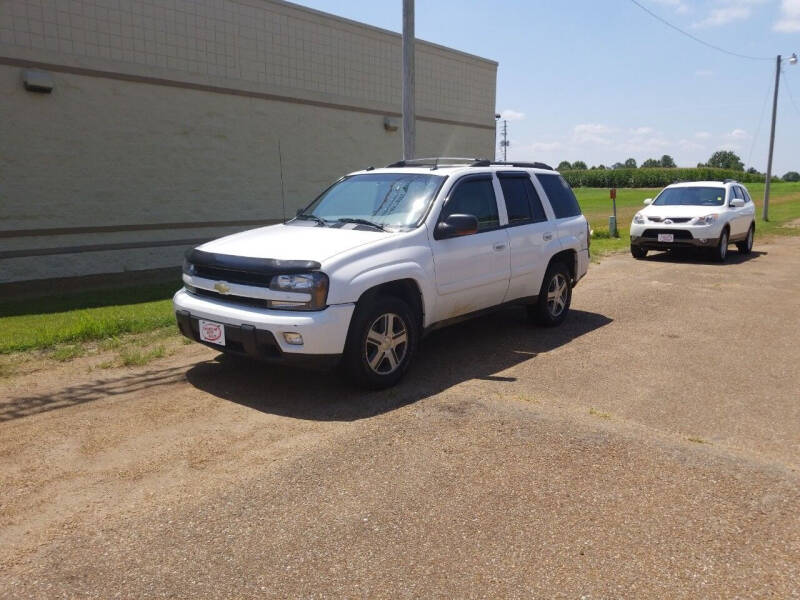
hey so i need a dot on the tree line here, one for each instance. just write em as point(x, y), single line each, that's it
point(722, 159)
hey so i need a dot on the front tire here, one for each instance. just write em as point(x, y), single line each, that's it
point(746, 247)
point(555, 297)
point(720, 253)
point(382, 342)
point(638, 252)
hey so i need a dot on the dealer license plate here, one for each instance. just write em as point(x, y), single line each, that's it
point(666, 237)
point(212, 332)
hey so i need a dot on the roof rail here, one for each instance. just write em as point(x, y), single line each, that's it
point(527, 165)
point(730, 181)
point(437, 161)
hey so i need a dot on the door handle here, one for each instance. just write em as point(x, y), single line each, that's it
point(499, 246)
point(547, 236)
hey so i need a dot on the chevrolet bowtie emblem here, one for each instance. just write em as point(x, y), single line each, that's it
point(222, 287)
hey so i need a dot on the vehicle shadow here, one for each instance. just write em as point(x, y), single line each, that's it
point(680, 255)
point(26, 406)
point(476, 349)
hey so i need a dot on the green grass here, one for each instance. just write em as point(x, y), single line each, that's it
point(784, 207)
point(52, 322)
point(132, 357)
point(47, 322)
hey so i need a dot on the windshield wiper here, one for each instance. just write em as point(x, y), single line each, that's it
point(305, 217)
point(362, 222)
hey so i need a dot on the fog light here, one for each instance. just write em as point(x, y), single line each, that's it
point(295, 339)
point(703, 240)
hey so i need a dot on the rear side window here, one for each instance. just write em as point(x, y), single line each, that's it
point(522, 201)
point(563, 201)
point(474, 197)
point(746, 195)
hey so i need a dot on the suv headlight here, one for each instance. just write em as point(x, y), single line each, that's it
point(315, 284)
point(638, 218)
point(706, 220)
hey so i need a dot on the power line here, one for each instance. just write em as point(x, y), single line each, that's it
point(697, 39)
point(789, 91)
point(760, 120)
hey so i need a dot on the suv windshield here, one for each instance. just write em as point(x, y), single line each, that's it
point(396, 200)
point(691, 196)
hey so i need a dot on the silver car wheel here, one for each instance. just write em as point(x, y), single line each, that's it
point(386, 344)
point(557, 293)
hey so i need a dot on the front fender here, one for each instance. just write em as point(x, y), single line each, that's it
point(357, 283)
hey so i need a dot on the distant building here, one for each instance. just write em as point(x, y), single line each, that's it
point(165, 116)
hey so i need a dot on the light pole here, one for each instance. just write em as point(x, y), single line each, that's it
point(792, 60)
point(409, 118)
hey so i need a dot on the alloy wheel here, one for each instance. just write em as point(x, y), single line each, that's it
point(386, 344)
point(557, 293)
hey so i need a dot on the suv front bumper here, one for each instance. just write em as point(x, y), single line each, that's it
point(685, 236)
point(258, 332)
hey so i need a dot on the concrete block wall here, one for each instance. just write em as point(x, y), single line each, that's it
point(164, 124)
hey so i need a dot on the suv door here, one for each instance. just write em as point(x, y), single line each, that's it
point(741, 215)
point(530, 235)
point(472, 271)
point(570, 222)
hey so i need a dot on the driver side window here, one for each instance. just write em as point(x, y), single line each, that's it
point(474, 197)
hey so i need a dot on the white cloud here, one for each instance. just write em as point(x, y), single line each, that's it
point(789, 21)
point(703, 73)
point(642, 131)
point(592, 133)
point(702, 135)
point(677, 5)
point(737, 134)
point(728, 11)
point(512, 115)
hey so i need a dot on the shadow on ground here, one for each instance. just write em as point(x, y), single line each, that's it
point(477, 349)
point(25, 406)
point(681, 255)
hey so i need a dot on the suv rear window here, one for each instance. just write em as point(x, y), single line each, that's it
point(561, 197)
point(522, 201)
point(474, 197)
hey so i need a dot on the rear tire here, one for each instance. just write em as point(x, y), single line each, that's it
point(381, 343)
point(552, 306)
point(720, 253)
point(746, 247)
point(638, 252)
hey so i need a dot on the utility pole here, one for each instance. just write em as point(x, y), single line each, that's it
point(409, 118)
point(765, 215)
point(505, 143)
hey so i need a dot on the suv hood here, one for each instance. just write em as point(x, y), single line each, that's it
point(680, 211)
point(293, 242)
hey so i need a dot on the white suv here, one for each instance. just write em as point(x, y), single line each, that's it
point(701, 214)
point(384, 256)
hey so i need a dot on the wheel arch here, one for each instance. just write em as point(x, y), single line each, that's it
point(570, 258)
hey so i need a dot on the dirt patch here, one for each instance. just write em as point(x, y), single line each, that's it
point(648, 447)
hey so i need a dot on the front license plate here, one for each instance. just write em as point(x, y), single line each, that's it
point(212, 332)
point(666, 237)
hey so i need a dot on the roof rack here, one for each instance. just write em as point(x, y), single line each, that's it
point(437, 161)
point(730, 181)
point(527, 165)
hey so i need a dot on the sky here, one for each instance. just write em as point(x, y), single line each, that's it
point(602, 81)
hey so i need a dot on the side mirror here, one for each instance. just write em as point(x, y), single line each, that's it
point(648, 200)
point(737, 203)
point(456, 226)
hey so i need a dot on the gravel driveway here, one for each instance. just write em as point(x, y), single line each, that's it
point(650, 447)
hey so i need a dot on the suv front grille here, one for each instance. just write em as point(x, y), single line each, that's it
point(243, 269)
point(243, 300)
point(673, 219)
